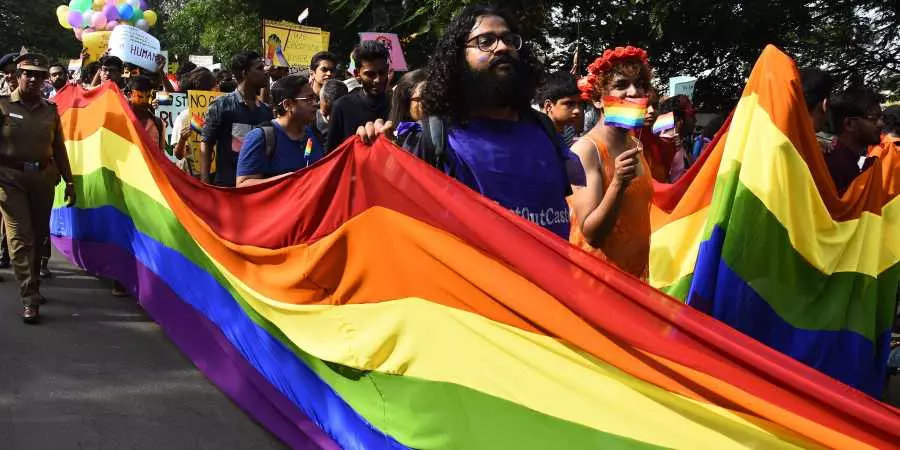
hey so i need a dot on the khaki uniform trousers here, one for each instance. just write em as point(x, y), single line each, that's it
point(26, 199)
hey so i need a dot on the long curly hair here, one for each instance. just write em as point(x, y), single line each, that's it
point(444, 94)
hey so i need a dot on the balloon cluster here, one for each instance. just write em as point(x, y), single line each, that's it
point(86, 16)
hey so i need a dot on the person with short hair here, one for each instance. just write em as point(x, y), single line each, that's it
point(817, 86)
point(8, 81)
point(856, 117)
point(322, 68)
point(59, 77)
point(289, 143)
point(32, 159)
point(611, 215)
point(111, 69)
point(139, 93)
point(559, 98)
point(231, 117)
point(183, 137)
point(330, 93)
point(368, 104)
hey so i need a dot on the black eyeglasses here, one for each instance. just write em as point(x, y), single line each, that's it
point(488, 42)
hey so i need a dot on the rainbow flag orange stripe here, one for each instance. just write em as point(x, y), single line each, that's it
point(756, 235)
point(371, 302)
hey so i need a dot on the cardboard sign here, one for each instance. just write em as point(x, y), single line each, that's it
point(74, 66)
point(96, 44)
point(168, 113)
point(198, 105)
point(392, 42)
point(683, 85)
point(290, 45)
point(134, 46)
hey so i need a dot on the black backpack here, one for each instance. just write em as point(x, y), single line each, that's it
point(437, 153)
point(270, 138)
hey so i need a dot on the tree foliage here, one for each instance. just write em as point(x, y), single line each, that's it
point(33, 25)
point(718, 41)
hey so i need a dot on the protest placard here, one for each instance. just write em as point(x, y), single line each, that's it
point(683, 85)
point(198, 105)
point(168, 113)
point(392, 42)
point(202, 60)
point(134, 46)
point(95, 44)
point(287, 44)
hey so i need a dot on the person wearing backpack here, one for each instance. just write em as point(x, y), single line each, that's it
point(289, 142)
point(481, 129)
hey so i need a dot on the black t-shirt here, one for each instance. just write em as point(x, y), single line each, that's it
point(351, 111)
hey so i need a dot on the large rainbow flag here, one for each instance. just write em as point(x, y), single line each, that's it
point(371, 302)
point(756, 235)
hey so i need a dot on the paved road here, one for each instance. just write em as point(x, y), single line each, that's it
point(99, 374)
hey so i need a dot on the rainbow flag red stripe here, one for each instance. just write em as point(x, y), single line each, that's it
point(372, 302)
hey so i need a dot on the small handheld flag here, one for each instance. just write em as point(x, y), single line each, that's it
point(664, 122)
point(196, 123)
point(624, 112)
point(303, 15)
point(309, 148)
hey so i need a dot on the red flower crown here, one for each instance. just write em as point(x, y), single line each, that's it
point(604, 63)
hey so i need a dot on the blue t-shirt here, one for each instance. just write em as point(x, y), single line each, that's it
point(515, 164)
point(289, 154)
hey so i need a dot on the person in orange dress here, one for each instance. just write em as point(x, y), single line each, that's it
point(611, 214)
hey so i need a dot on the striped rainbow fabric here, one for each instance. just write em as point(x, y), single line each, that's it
point(756, 236)
point(371, 302)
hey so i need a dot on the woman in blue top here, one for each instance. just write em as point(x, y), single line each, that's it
point(296, 144)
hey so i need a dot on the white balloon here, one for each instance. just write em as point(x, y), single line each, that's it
point(135, 3)
point(142, 24)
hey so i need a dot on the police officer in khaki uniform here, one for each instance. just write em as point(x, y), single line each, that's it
point(32, 158)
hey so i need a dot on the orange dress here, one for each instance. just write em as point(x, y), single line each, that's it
point(628, 245)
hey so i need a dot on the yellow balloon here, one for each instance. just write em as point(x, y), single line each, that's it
point(98, 4)
point(150, 17)
point(62, 10)
point(64, 20)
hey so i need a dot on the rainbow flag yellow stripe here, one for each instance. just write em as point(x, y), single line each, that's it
point(756, 236)
point(371, 302)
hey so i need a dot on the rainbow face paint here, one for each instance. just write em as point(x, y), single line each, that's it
point(626, 112)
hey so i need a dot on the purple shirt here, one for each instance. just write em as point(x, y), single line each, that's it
point(515, 164)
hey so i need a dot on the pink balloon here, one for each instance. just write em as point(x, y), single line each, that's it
point(78, 32)
point(111, 24)
point(89, 30)
point(98, 21)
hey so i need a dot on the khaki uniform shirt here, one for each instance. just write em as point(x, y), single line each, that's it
point(28, 134)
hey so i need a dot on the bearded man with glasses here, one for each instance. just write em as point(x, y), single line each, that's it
point(481, 128)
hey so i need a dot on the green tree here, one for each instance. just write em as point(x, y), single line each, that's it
point(210, 27)
point(33, 25)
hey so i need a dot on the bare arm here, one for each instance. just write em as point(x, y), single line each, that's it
point(206, 152)
point(595, 208)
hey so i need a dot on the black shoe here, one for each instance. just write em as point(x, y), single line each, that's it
point(5, 264)
point(45, 272)
point(31, 315)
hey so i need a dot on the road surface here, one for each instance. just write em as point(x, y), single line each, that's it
point(99, 374)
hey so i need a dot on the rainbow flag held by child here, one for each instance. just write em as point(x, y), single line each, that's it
point(624, 112)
